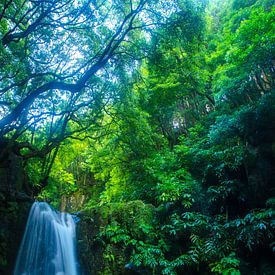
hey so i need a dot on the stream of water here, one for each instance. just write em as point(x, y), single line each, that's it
point(49, 243)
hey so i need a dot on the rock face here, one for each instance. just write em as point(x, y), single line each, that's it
point(13, 220)
point(100, 256)
point(15, 202)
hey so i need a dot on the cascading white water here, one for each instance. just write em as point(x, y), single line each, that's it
point(49, 243)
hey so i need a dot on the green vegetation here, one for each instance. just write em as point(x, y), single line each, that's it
point(155, 120)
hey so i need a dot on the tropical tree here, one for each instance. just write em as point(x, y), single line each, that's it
point(59, 62)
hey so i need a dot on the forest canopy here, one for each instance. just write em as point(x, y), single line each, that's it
point(170, 103)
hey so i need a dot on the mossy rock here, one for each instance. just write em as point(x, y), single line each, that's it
point(100, 256)
point(13, 221)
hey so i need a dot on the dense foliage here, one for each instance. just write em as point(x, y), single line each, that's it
point(167, 102)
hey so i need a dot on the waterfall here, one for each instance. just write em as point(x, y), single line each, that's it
point(49, 243)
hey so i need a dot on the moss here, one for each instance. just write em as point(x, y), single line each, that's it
point(99, 255)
